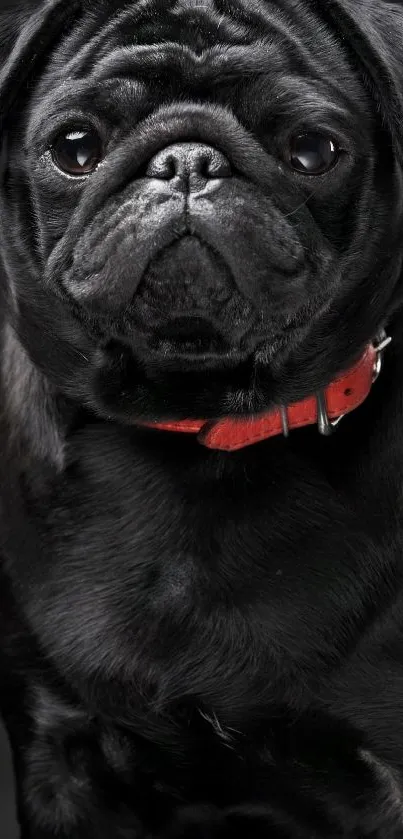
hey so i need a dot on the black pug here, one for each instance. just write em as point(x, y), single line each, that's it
point(201, 483)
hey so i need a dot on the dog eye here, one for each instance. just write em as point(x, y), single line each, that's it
point(313, 154)
point(77, 152)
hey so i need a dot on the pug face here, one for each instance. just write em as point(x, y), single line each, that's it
point(202, 202)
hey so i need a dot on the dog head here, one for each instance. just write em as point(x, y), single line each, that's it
point(201, 203)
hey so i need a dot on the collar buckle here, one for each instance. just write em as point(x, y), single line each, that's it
point(381, 343)
point(326, 427)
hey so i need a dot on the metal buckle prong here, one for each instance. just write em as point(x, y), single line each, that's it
point(325, 427)
point(380, 348)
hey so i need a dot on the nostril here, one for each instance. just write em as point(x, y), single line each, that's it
point(163, 167)
point(215, 165)
point(204, 168)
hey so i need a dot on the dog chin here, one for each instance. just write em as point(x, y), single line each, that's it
point(147, 406)
point(169, 387)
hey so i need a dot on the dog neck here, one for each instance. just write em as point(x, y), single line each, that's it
point(325, 408)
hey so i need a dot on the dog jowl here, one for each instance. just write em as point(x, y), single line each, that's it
point(201, 230)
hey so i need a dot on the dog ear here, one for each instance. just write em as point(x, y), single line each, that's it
point(27, 29)
point(372, 31)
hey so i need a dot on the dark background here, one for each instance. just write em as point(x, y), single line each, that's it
point(8, 826)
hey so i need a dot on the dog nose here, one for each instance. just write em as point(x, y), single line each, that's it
point(189, 166)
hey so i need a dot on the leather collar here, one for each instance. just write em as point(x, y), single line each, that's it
point(326, 409)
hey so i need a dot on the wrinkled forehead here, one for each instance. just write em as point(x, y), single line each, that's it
point(200, 40)
point(191, 48)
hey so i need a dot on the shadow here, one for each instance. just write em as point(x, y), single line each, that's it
point(8, 822)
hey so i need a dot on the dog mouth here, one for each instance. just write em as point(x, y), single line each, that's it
point(189, 369)
point(188, 304)
point(197, 343)
point(189, 334)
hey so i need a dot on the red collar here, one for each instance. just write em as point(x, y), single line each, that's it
point(327, 408)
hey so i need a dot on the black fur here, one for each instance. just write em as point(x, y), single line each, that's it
point(198, 644)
